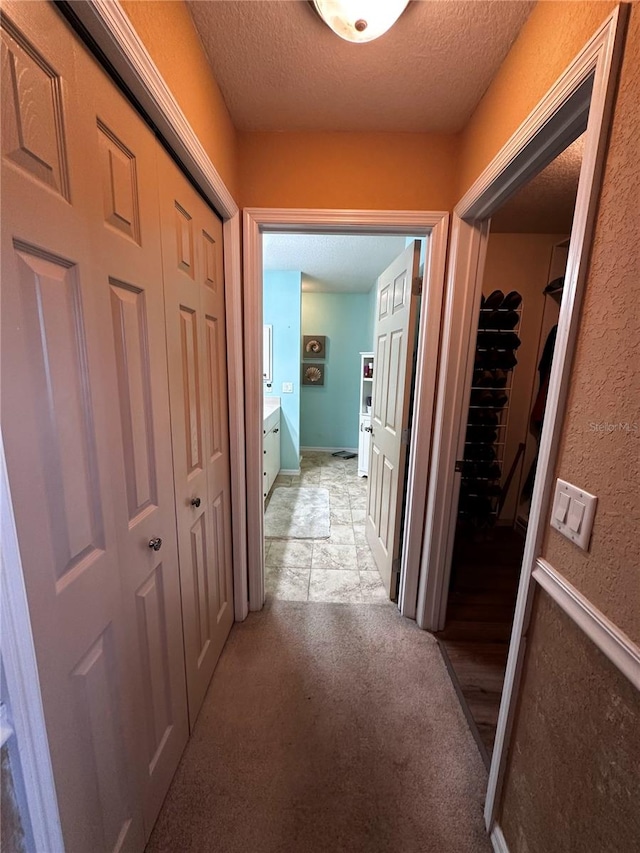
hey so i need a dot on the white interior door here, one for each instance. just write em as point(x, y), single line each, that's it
point(55, 417)
point(127, 259)
point(194, 293)
point(394, 336)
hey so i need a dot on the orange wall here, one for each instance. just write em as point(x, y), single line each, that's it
point(572, 781)
point(552, 36)
point(348, 170)
point(596, 452)
point(166, 28)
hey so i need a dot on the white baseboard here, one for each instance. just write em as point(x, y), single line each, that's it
point(293, 472)
point(328, 449)
point(498, 840)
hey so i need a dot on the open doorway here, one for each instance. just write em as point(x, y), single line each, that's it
point(517, 318)
point(320, 299)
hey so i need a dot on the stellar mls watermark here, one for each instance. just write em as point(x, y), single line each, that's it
point(618, 426)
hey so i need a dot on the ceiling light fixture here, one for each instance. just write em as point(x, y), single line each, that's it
point(360, 20)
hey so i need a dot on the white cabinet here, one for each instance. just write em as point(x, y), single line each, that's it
point(366, 392)
point(271, 451)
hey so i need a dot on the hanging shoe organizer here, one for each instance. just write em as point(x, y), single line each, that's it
point(496, 346)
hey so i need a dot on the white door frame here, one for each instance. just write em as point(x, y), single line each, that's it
point(23, 683)
point(430, 224)
point(112, 31)
point(581, 99)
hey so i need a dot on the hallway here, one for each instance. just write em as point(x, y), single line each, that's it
point(327, 727)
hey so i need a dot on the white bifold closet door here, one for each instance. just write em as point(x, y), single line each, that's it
point(127, 264)
point(196, 343)
point(86, 421)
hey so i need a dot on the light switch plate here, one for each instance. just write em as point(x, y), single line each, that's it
point(573, 512)
point(287, 387)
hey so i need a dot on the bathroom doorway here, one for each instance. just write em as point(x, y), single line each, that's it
point(431, 225)
point(319, 307)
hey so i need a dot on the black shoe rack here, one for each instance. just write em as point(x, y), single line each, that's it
point(496, 346)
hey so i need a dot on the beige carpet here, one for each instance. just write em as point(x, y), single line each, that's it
point(327, 727)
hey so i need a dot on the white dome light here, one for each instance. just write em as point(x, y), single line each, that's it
point(360, 20)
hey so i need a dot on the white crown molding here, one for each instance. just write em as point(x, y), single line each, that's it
point(623, 653)
point(107, 23)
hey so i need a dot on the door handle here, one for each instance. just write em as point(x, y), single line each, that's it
point(276, 430)
point(155, 543)
point(195, 502)
point(369, 429)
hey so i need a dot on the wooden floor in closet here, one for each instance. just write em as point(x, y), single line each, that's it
point(475, 640)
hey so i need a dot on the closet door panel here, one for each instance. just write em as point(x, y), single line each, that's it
point(186, 354)
point(194, 292)
point(217, 421)
point(128, 261)
point(56, 436)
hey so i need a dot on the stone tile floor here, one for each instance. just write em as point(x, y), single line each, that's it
point(339, 568)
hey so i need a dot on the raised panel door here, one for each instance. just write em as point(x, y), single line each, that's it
point(127, 257)
point(196, 345)
point(396, 315)
point(55, 428)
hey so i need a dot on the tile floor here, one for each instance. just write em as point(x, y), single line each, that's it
point(339, 568)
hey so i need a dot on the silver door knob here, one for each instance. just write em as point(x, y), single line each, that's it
point(155, 543)
point(195, 502)
point(368, 429)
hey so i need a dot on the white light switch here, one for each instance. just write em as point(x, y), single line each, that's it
point(573, 513)
point(562, 507)
point(576, 514)
point(287, 387)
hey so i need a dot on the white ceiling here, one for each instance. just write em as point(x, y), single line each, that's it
point(281, 68)
point(332, 263)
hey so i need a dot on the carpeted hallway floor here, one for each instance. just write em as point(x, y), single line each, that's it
point(327, 727)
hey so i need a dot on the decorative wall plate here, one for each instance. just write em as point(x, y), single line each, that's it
point(314, 346)
point(312, 374)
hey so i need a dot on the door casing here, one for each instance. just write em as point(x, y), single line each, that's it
point(432, 225)
point(581, 100)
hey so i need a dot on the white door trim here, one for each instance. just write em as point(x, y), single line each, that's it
point(556, 120)
point(498, 841)
point(110, 28)
point(23, 683)
point(433, 224)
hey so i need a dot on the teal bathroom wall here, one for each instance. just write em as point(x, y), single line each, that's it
point(282, 310)
point(329, 413)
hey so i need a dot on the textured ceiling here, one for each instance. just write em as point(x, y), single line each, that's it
point(545, 205)
point(281, 68)
point(332, 263)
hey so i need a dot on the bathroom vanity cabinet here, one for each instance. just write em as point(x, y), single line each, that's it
point(270, 445)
